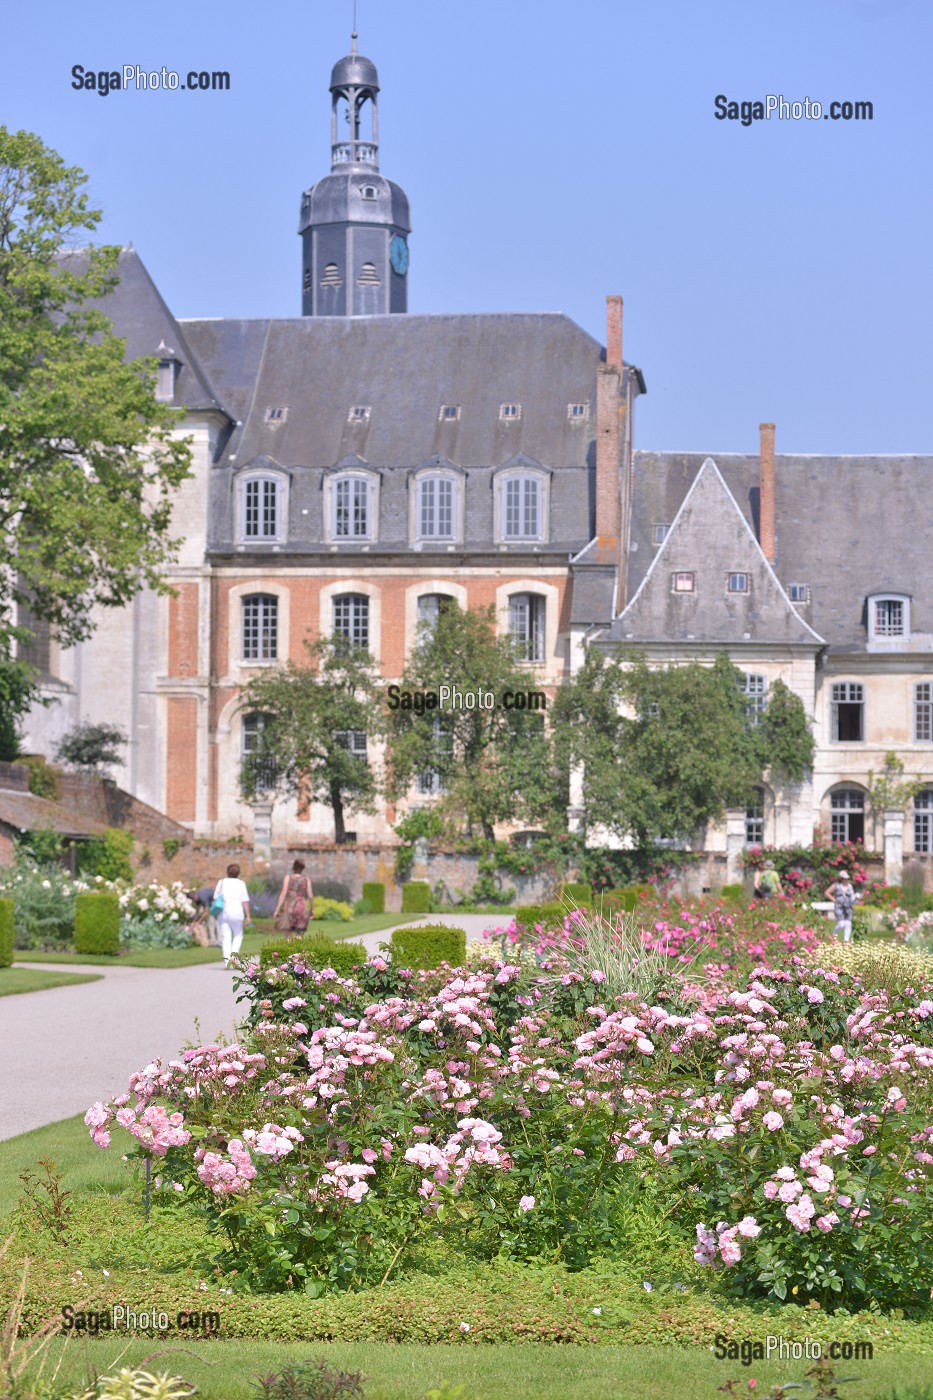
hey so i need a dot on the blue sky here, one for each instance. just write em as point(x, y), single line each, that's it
point(552, 153)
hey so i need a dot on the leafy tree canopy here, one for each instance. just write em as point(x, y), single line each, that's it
point(311, 714)
point(492, 763)
point(91, 747)
point(88, 465)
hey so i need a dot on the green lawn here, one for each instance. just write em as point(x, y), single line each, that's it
point(189, 957)
point(226, 1370)
point(84, 1166)
point(28, 979)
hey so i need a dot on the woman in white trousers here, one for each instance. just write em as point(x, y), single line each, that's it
point(235, 914)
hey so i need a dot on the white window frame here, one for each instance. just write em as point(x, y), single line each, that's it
point(510, 412)
point(436, 494)
point(247, 729)
point(839, 812)
point(360, 481)
point(755, 689)
point(880, 607)
point(533, 635)
point(522, 478)
point(846, 693)
point(923, 712)
point(266, 625)
point(798, 592)
point(923, 822)
point(738, 577)
point(683, 581)
point(359, 598)
point(578, 412)
point(659, 534)
point(261, 482)
point(755, 821)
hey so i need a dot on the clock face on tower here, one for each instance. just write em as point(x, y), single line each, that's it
point(398, 254)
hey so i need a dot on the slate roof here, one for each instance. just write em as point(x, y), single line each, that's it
point(142, 319)
point(845, 526)
point(710, 537)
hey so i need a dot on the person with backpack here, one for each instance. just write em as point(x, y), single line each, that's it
point(231, 910)
point(767, 881)
point(843, 896)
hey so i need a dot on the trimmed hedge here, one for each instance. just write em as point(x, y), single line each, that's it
point(316, 951)
point(577, 893)
point(416, 897)
point(6, 932)
point(97, 923)
point(551, 915)
point(736, 891)
point(374, 891)
point(425, 948)
point(625, 899)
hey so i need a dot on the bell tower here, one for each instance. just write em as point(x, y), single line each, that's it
point(354, 223)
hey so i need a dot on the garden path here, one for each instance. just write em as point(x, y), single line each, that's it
point(65, 1047)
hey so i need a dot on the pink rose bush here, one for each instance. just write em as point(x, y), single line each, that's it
point(525, 1110)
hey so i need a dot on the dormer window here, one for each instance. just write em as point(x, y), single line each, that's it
point(659, 534)
point(351, 504)
point(359, 413)
point(166, 375)
point(276, 415)
point(450, 413)
point(888, 618)
point(368, 191)
point(510, 412)
point(263, 509)
point(578, 412)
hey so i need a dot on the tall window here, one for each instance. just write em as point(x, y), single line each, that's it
point(256, 763)
point(888, 617)
point(35, 648)
point(351, 509)
point(522, 514)
point(351, 618)
point(430, 607)
point(526, 624)
point(923, 822)
point(260, 627)
point(755, 820)
point(923, 712)
point(848, 712)
point(430, 782)
point(436, 508)
point(261, 508)
point(847, 815)
point(755, 690)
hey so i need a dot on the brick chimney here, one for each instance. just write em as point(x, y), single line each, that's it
point(766, 532)
point(609, 428)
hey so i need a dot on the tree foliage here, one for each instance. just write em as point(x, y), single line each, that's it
point(786, 736)
point(88, 464)
point(91, 747)
point(311, 711)
point(493, 764)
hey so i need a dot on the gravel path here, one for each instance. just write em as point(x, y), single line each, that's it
point(63, 1048)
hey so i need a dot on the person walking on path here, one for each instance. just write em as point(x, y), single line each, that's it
point(235, 912)
point(296, 901)
point(843, 896)
point(768, 881)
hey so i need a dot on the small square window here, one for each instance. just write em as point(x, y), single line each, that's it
point(737, 583)
point(276, 415)
point(660, 533)
point(799, 592)
point(450, 413)
point(510, 412)
point(683, 583)
point(359, 413)
point(576, 412)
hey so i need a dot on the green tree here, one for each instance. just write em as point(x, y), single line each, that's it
point(17, 687)
point(491, 763)
point(664, 751)
point(317, 719)
point(91, 747)
point(889, 790)
point(786, 736)
point(88, 463)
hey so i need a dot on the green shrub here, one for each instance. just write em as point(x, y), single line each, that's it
point(424, 948)
point(310, 1380)
point(551, 915)
point(6, 932)
point(577, 893)
point(736, 891)
point(375, 892)
point(362, 906)
point(316, 951)
point(97, 923)
point(416, 897)
point(44, 905)
point(332, 909)
point(625, 899)
point(43, 778)
point(108, 855)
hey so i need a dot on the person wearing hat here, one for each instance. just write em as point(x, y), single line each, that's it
point(843, 896)
point(768, 881)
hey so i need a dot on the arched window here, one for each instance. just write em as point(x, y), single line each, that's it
point(436, 514)
point(847, 815)
point(521, 508)
point(262, 509)
point(352, 510)
point(259, 769)
point(527, 625)
point(351, 618)
point(260, 616)
point(430, 607)
point(923, 822)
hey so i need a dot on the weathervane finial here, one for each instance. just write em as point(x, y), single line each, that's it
point(354, 34)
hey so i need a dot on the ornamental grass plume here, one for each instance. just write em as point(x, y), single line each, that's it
point(616, 954)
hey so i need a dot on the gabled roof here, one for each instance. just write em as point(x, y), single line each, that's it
point(26, 812)
point(710, 538)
